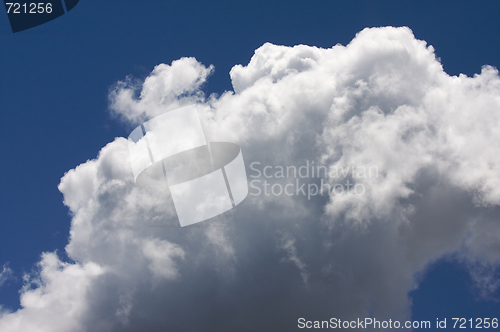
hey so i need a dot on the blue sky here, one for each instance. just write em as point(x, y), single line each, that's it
point(55, 80)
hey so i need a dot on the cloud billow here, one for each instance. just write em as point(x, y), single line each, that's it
point(382, 101)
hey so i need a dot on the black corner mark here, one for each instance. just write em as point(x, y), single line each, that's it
point(28, 14)
point(70, 4)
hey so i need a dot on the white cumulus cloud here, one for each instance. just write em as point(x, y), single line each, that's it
point(383, 101)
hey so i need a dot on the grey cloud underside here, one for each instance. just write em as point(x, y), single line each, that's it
point(383, 100)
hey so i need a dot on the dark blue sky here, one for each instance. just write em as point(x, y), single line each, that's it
point(54, 81)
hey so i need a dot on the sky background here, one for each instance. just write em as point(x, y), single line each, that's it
point(55, 80)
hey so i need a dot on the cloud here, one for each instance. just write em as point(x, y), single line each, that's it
point(55, 299)
point(159, 254)
point(383, 101)
point(160, 91)
point(6, 274)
